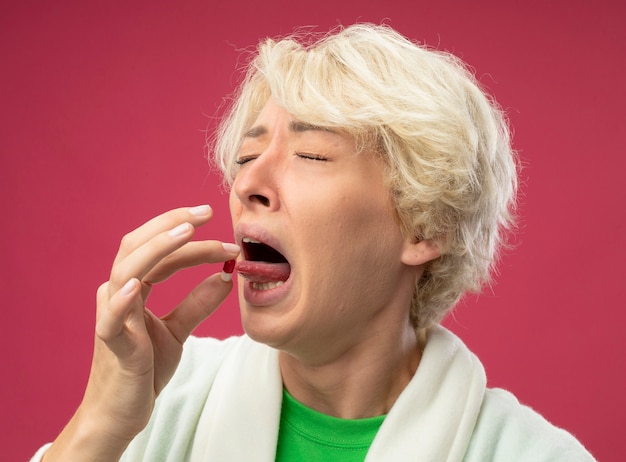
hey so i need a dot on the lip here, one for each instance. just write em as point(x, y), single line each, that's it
point(256, 297)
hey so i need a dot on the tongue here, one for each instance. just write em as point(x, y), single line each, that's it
point(260, 271)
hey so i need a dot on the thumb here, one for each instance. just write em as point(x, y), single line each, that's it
point(198, 305)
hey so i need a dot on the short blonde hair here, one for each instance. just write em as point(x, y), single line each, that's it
point(445, 142)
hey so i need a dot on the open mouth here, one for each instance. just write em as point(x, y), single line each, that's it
point(263, 266)
point(258, 251)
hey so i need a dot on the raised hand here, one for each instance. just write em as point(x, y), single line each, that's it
point(135, 352)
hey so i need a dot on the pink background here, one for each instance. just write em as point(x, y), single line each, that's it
point(104, 108)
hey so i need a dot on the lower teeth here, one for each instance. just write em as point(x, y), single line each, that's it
point(266, 285)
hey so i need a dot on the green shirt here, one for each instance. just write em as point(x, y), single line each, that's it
point(308, 435)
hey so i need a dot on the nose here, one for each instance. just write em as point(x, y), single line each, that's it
point(255, 184)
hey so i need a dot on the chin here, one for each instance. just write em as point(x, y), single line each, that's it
point(264, 325)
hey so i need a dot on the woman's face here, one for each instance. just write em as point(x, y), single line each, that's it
point(335, 274)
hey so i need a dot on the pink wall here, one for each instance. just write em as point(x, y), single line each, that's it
point(103, 111)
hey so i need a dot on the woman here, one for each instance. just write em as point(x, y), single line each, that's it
point(370, 183)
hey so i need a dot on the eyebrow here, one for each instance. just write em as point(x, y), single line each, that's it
point(299, 127)
point(295, 126)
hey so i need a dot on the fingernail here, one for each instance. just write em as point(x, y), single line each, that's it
point(231, 248)
point(128, 287)
point(227, 270)
point(179, 230)
point(200, 210)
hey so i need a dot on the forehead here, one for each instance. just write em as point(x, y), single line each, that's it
point(274, 117)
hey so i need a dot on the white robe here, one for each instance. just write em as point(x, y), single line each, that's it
point(223, 404)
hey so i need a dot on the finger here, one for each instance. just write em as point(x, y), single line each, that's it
point(191, 254)
point(117, 314)
point(122, 331)
point(145, 257)
point(196, 216)
point(197, 306)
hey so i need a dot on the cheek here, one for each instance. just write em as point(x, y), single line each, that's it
point(375, 235)
point(357, 232)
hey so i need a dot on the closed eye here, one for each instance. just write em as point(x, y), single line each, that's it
point(311, 156)
point(245, 159)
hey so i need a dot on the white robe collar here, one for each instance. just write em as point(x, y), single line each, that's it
point(432, 420)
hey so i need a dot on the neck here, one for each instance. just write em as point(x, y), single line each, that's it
point(363, 381)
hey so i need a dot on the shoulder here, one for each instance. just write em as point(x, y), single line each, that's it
point(202, 358)
point(509, 431)
point(183, 399)
point(201, 361)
